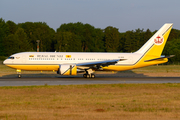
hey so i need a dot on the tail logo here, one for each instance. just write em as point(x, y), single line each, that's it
point(159, 40)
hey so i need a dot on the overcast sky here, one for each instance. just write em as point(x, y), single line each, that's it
point(122, 14)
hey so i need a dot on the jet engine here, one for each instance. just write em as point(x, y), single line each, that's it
point(67, 70)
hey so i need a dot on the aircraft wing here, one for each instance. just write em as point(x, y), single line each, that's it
point(99, 64)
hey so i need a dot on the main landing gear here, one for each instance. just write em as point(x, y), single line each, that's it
point(89, 74)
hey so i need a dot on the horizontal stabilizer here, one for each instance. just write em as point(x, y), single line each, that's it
point(159, 58)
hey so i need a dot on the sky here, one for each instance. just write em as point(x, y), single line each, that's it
point(122, 14)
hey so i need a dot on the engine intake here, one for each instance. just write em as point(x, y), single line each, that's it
point(67, 70)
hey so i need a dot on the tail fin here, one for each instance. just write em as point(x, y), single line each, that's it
point(155, 45)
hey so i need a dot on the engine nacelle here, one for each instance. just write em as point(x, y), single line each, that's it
point(67, 70)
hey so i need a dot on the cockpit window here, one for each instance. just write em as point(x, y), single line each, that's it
point(11, 58)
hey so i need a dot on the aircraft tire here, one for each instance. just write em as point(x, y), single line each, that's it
point(92, 76)
point(19, 75)
point(88, 76)
point(85, 75)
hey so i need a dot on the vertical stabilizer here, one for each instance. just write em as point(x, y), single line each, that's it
point(155, 45)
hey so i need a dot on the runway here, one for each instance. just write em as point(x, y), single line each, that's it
point(13, 81)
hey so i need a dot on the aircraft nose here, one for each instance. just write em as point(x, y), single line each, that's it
point(5, 62)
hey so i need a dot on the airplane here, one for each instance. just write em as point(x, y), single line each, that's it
point(71, 63)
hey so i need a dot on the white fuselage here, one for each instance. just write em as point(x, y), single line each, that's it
point(52, 58)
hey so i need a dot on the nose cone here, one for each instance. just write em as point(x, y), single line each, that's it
point(5, 62)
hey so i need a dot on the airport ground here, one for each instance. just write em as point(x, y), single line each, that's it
point(95, 101)
point(107, 101)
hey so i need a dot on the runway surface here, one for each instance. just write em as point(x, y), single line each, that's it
point(27, 81)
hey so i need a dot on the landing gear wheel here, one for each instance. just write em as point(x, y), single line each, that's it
point(88, 76)
point(92, 76)
point(85, 75)
point(19, 75)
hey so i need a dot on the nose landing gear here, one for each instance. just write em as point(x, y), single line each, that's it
point(19, 73)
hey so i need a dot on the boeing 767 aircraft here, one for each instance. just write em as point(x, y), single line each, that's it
point(71, 63)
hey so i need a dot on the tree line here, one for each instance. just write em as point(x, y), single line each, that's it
point(77, 37)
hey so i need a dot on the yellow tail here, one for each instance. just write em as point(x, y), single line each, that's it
point(153, 48)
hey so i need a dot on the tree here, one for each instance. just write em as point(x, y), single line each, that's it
point(39, 31)
point(98, 45)
point(139, 39)
point(11, 45)
point(173, 48)
point(12, 27)
point(121, 42)
point(129, 38)
point(74, 43)
point(87, 36)
point(23, 40)
point(63, 39)
point(111, 39)
point(174, 34)
point(67, 42)
point(147, 35)
point(4, 31)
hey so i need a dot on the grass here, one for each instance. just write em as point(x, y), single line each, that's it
point(116, 101)
point(159, 68)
